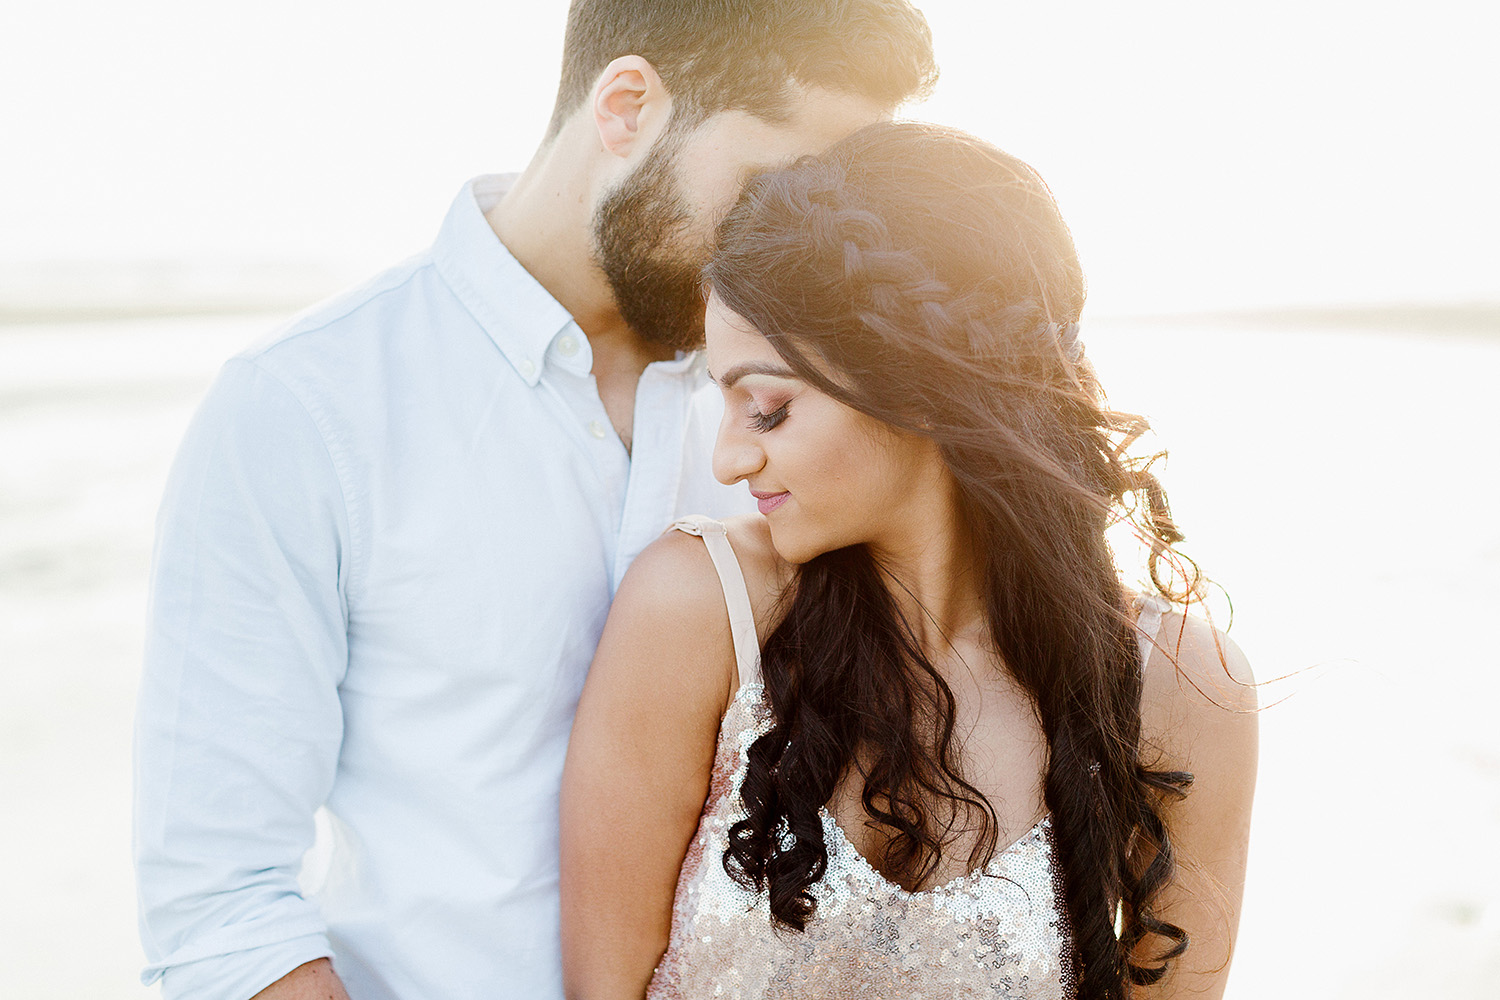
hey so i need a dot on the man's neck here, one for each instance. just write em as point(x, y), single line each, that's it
point(545, 221)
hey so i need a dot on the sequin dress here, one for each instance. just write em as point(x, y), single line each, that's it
point(999, 931)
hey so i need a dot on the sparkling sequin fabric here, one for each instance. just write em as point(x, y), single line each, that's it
point(996, 932)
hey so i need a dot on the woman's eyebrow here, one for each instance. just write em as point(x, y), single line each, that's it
point(737, 372)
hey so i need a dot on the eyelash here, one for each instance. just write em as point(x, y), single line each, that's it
point(762, 422)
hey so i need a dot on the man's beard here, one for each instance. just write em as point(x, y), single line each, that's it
point(640, 247)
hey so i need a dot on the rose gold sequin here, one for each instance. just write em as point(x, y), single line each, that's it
point(1000, 931)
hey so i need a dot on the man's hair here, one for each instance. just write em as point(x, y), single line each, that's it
point(748, 55)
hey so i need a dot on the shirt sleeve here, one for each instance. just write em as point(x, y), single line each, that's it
point(238, 724)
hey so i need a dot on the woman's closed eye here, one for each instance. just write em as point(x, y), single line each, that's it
point(762, 422)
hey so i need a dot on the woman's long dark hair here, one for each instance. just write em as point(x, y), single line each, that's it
point(925, 278)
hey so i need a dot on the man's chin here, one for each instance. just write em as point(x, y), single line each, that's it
point(662, 324)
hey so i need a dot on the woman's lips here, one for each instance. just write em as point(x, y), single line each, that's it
point(768, 502)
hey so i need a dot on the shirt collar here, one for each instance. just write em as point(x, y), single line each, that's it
point(520, 316)
point(530, 327)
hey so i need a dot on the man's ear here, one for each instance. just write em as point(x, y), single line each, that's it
point(630, 106)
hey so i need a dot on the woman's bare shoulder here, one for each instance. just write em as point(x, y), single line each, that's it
point(767, 574)
point(1200, 658)
point(669, 614)
point(1199, 696)
point(674, 573)
point(1199, 715)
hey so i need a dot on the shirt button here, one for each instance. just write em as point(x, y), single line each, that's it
point(567, 345)
point(526, 368)
point(596, 429)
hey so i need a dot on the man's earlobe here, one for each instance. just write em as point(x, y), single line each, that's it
point(630, 105)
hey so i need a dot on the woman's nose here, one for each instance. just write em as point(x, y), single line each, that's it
point(737, 455)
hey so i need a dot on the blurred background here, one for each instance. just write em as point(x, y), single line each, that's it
point(1289, 218)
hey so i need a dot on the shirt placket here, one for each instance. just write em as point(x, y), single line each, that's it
point(656, 460)
point(574, 397)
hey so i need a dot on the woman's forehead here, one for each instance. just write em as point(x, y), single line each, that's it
point(730, 338)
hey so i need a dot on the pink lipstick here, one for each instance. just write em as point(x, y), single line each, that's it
point(768, 502)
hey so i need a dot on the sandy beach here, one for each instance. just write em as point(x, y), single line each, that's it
point(1338, 479)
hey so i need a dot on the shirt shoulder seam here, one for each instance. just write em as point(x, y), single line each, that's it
point(300, 327)
point(340, 469)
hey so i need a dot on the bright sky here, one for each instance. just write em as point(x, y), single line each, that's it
point(1206, 154)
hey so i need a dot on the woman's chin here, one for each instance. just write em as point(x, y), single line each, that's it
point(794, 548)
point(797, 547)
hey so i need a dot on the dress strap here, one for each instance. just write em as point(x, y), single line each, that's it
point(736, 595)
point(1150, 609)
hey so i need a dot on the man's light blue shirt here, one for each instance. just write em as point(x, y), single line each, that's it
point(384, 558)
